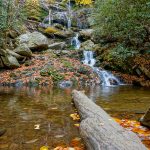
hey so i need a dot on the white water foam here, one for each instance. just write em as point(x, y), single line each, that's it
point(106, 77)
point(75, 41)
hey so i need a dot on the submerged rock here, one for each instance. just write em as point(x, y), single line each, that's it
point(65, 84)
point(2, 131)
point(145, 120)
point(35, 40)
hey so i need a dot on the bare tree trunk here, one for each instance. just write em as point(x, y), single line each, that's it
point(99, 130)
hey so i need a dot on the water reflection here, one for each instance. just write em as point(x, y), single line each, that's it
point(121, 99)
point(23, 108)
point(102, 91)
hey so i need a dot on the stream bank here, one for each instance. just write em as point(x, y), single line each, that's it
point(48, 69)
point(52, 28)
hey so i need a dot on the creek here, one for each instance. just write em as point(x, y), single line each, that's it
point(50, 109)
point(34, 117)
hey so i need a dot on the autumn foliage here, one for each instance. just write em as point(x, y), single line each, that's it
point(132, 125)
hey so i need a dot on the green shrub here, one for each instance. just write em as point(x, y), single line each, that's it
point(34, 10)
point(11, 18)
point(67, 64)
point(56, 76)
point(83, 70)
point(121, 54)
point(122, 18)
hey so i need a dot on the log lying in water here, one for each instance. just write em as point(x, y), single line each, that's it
point(99, 130)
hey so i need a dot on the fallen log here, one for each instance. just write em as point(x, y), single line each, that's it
point(99, 130)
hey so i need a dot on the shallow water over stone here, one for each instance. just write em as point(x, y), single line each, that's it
point(34, 117)
point(23, 110)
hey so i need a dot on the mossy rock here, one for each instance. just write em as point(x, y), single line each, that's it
point(51, 30)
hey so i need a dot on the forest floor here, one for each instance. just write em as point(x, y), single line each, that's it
point(47, 69)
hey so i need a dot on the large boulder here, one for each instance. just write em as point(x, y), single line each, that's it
point(87, 45)
point(23, 50)
point(35, 40)
point(10, 61)
point(61, 18)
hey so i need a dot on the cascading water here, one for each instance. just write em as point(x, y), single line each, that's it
point(88, 58)
point(49, 18)
point(75, 41)
point(69, 14)
point(107, 78)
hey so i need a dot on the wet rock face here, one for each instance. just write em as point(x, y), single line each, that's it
point(86, 34)
point(35, 40)
point(80, 18)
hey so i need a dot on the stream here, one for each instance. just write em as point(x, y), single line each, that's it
point(40, 116)
point(34, 117)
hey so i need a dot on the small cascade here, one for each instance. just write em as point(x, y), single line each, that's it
point(49, 18)
point(69, 15)
point(75, 41)
point(88, 58)
point(106, 77)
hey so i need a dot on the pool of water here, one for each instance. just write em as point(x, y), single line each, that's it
point(121, 101)
point(24, 109)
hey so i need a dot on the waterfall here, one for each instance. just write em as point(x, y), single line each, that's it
point(69, 15)
point(106, 77)
point(49, 18)
point(75, 41)
point(88, 58)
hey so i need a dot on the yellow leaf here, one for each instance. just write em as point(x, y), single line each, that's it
point(44, 148)
point(77, 125)
point(75, 116)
